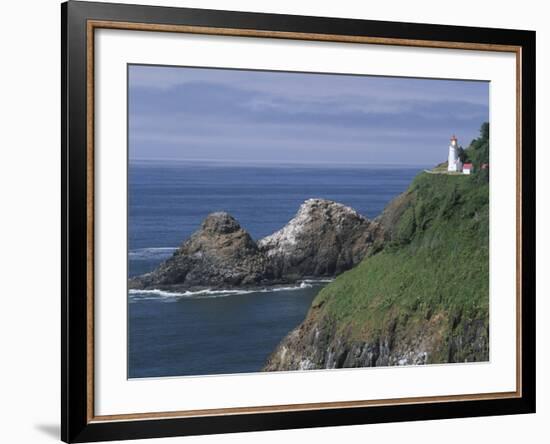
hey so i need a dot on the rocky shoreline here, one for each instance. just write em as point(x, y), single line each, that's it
point(400, 297)
point(324, 239)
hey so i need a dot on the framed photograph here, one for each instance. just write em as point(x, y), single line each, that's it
point(275, 221)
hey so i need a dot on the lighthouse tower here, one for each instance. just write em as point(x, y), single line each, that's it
point(455, 165)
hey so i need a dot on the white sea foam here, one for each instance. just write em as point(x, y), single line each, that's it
point(172, 296)
point(156, 293)
point(318, 281)
point(151, 253)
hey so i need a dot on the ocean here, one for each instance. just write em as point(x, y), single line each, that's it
point(224, 332)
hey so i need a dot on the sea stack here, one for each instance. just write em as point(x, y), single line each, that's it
point(324, 239)
point(219, 254)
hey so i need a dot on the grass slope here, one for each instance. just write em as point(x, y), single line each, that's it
point(434, 266)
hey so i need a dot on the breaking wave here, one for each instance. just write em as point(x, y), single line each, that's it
point(172, 296)
point(151, 253)
point(318, 281)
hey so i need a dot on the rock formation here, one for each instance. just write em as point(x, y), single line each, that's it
point(219, 254)
point(317, 344)
point(323, 239)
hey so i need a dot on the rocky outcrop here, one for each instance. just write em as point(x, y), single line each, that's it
point(323, 239)
point(316, 344)
point(219, 254)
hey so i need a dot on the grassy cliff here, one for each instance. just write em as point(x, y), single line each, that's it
point(436, 265)
point(423, 298)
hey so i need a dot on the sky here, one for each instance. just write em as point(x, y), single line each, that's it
point(245, 116)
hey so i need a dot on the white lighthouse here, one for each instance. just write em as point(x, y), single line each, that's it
point(455, 165)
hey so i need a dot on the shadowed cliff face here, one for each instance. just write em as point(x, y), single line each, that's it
point(318, 343)
point(323, 239)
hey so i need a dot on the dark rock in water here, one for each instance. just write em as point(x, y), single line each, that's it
point(323, 239)
point(219, 254)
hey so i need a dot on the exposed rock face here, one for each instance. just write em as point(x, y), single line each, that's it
point(316, 345)
point(323, 239)
point(219, 254)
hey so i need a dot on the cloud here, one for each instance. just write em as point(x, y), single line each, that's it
point(264, 115)
point(302, 86)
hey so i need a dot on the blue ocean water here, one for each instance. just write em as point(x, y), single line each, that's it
point(227, 332)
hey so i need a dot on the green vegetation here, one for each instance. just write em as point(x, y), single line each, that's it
point(434, 266)
point(441, 168)
point(478, 153)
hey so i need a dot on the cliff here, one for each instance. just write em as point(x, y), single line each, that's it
point(322, 240)
point(424, 298)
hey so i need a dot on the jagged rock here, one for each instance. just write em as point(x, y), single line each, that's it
point(219, 254)
point(323, 239)
point(316, 345)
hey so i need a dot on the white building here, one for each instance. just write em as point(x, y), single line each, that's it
point(467, 168)
point(455, 165)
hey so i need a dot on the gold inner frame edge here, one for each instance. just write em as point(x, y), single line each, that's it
point(92, 25)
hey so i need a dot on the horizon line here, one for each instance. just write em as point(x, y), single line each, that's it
point(268, 162)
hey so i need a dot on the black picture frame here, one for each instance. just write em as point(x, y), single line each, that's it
point(76, 423)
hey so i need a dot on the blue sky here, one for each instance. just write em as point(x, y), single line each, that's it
point(280, 117)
